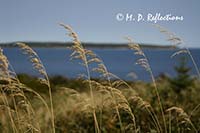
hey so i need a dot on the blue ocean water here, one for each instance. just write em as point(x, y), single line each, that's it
point(120, 62)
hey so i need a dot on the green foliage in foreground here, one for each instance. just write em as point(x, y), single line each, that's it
point(73, 112)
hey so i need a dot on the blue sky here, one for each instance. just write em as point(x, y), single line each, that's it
point(95, 21)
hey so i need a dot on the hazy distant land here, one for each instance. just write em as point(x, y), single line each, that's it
point(87, 45)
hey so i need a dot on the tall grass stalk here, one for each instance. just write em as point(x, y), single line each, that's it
point(176, 41)
point(38, 65)
point(79, 52)
point(143, 61)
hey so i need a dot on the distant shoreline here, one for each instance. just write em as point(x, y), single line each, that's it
point(87, 45)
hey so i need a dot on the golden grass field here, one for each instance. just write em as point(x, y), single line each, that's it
point(107, 104)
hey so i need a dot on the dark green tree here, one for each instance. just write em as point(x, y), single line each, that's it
point(183, 79)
